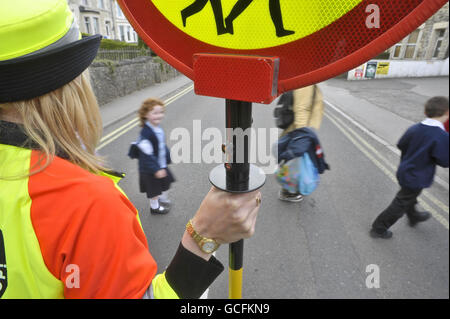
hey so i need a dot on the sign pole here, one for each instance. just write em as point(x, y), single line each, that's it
point(238, 116)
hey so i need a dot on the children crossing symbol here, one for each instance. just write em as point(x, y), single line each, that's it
point(226, 25)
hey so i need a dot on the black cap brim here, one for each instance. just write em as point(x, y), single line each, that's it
point(30, 76)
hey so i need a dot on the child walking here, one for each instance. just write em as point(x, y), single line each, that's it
point(154, 156)
point(423, 146)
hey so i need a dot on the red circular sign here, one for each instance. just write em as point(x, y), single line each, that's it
point(369, 28)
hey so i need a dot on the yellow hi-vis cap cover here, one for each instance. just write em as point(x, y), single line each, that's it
point(30, 25)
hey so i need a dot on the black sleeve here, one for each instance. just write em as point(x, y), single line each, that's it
point(190, 275)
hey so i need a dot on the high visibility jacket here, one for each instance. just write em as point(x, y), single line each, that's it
point(68, 233)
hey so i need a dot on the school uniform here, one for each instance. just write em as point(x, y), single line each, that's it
point(153, 156)
point(423, 146)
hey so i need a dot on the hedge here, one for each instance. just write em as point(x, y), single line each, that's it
point(109, 44)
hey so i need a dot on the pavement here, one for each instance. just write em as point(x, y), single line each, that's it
point(124, 106)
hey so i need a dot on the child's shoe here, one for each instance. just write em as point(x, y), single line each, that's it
point(290, 197)
point(418, 217)
point(376, 234)
point(161, 210)
point(165, 203)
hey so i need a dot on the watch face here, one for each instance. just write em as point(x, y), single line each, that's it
point(209, 247)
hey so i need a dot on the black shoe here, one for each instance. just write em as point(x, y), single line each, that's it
point(167, 205)
point(161, 210)
point(418, 217)
point(385, 235)
point(289, 197)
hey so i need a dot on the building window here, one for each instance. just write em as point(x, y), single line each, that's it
point(439, 33)
point(101, 4)
point(122, 32)
point(119, 11)
point(397, 51)
point(96, 26)
point(411, 44)
point(108, 29)
point(407, 48)
point(129, 34)
point(85, 2)
point(87, 24)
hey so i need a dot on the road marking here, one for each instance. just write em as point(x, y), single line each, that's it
point(393, 149)
point(115, 137)
point(104, 138)
point(109, 138)
point(426, 193)
point(385, 170)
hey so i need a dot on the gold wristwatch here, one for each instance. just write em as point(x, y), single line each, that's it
point(207, 245)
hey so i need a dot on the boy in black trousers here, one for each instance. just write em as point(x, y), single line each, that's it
point(423, 146)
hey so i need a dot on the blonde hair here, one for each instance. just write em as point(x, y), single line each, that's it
point(66, 120)
point(146, 107)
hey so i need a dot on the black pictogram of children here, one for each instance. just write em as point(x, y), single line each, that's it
point(226, 25)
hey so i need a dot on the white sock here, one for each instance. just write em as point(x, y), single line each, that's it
point(164, 197)
point(154, 204)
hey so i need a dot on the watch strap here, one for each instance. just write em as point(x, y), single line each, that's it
point(199, 239)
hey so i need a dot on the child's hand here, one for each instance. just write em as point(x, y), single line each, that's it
point(161, 173)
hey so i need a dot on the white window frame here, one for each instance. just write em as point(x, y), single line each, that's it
point(122, 33)
point(108, 28)
point(438, 39)
point(96, 25)
point(119, 11)
point(404, 45)
point(87, 24)
point(129, 34)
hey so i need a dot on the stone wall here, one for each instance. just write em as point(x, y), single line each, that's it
point(111, 79)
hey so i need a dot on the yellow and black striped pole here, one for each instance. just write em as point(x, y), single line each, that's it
point(236, 259)
point(238, 118)
point(237, 175)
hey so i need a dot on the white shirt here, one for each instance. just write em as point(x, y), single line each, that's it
point(431, 122)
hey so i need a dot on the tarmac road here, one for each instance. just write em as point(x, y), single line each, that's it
point(319, 248)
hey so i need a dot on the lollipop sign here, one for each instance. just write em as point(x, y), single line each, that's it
point(314, 40)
